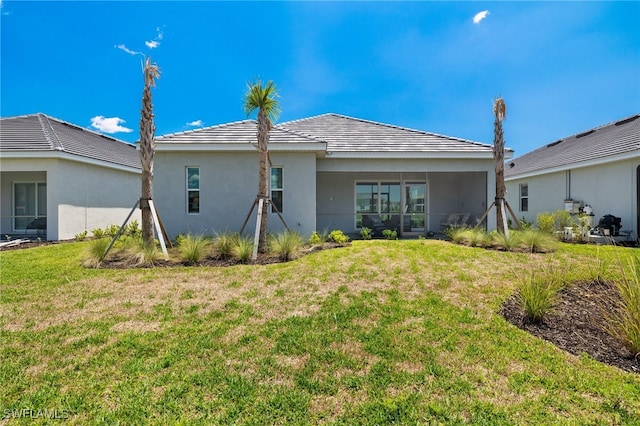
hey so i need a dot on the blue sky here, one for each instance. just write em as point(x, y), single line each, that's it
point(562, 67)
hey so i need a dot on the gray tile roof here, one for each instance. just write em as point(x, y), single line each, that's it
point(336, 133)
point(239, 132)
point(598, 144)
point(39, 132)
point(348, 134)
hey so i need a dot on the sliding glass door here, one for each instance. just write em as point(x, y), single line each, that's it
point(415, 198)
point(29, 203)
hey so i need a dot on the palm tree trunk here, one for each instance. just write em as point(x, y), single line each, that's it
point(147, 142)
point(498, 155)
point(263, 178)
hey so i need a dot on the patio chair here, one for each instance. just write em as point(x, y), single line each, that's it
point(39, 225)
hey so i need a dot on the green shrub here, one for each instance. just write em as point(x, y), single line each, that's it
point(145, 254)
point(537, 241)
point(338, 237)
point(98, 233)
point(546, 222)
point(468, 236)
point(538, 292)
point(456, 234)
point(81, 236)
point(111, 230)
point(623, 322)
point(365, 233)
point(243, 248)
point(193, 248)
point(224, 244)
point(390, 234)
point(95, 254)
point(286, 246)
point(562, 219)
point(319, 237)
point(133, 229)
point(503, 242)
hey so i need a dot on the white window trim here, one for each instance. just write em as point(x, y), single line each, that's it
point(187, 189)
point(13, 203)
point(272, 190)
point(521, 197)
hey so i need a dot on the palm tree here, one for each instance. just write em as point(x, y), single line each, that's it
point(264, 100)
point(147, 147)
point(500, 112)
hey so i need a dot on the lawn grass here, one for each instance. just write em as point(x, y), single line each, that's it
point(374, 333)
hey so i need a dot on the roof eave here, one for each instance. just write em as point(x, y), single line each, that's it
point(596, 162)
point(61, 155)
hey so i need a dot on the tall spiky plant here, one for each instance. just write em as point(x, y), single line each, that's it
point(263, 99)
point(147, 148)
point(500, 113)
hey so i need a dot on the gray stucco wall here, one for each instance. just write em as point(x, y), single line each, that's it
point(608, 188)
point(80, 196)
point(228, 188)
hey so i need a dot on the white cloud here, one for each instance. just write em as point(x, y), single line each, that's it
point(480, 16)
point(109, 124)
point(195, 123)
point(127, 50)
point(152, 44)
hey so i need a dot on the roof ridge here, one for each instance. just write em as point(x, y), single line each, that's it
point(49, 133)
point(184, 132)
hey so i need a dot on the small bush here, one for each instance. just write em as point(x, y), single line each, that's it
point(562, 219)
point(98, 233)
point(365, 233)
point(338, 237)
point(81, 236)
point(133, 229)
point(503, 242)
point(456, 234)
point(538, 292)
point(536, 241)
point(624, 322)
point(286, 245)
point(224, 244)
point(546, 222)
point(111, 230)
point(243, 249)
point(145, 254)
point(193, 248)
point(95, 254)
point(318, 237)
point(390, 234)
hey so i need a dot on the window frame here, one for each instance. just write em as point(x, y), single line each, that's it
point(280, 190)
point(189, 191)
point(38, 203)
point(523, 203)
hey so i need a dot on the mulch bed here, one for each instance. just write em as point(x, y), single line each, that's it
point(577, 323)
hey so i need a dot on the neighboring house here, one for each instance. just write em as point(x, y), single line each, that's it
point(327, 172)
point(599, 168)
point(58, 179)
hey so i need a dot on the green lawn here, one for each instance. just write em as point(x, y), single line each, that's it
point(374, 333)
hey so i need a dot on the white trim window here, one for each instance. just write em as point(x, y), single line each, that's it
point(524, 197)
point(193, 189)
point(277, 188)
point(29, 203)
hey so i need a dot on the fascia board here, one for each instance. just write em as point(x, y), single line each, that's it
point(60, 155)
point(596, 162)
point(410, 155)
point(239, 147)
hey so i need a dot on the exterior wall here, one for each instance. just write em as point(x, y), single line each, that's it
point(228, 188)
point(608, 188)
point(80, 196)
point(93, 197)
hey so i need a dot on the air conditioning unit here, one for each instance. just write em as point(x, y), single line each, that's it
point(573, 207)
